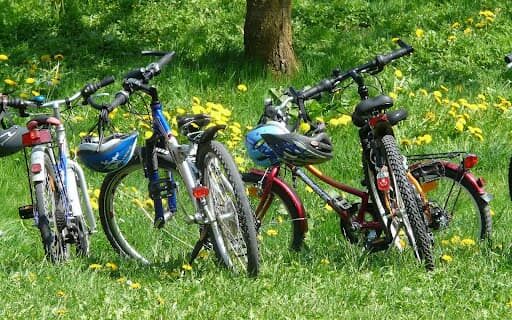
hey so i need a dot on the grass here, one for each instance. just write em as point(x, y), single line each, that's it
point(331, 279)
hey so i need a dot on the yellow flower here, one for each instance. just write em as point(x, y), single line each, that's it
point(30, 80)
point(3, 57)
point(112, 266)
point(334, 122)
point(242, 87)
point(486, 13)
point(60, 293)
point(423, 92)
point(325, 261)
point(96, 192)
point(455, 240)
point(445, 242)
point(121, 280)
point(452, 38)
point(239, 160)
point(405, 142)
point(393, 95)
point(344, 120)
point(135, 285)
point(446, 258)
point(304, 127)
point(395, 40)
point(60, 312)
point(437, 94)
point(480, 25)
point(420, 33)
point(55, 81)
point(58, 57)
point(148, 134)
point(455, 25)
point(186, 267)
point(492, 213)
point(459, 125)
point(469, 20)
point(445, 89)
point(271, 232)
point(468, 242)
point(148, 203)
point(398, 74)
point(10, 82)
point(467, 30)
point(309, 189)
point(328, 207)
point(95, 266)
point(160, 300)
point(426, 139)
point(430, 116)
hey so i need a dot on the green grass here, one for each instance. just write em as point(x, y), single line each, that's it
point(100, 38)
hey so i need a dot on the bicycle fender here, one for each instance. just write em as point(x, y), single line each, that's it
point(291, 194)
point(476, 183)
point(37, 158)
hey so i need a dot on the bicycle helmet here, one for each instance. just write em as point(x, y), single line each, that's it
point(114, 152)
point(298, 149)
point(259, 152)
point(10, 140)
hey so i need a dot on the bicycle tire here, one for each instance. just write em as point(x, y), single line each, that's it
point(414, 215)
point(233, 213)
point(127, 217)
point(51, 219)
point(510, 178)
point(279, 224)
point(456, 207)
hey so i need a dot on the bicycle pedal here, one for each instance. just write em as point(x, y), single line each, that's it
point(26, 212)
point(342, 203)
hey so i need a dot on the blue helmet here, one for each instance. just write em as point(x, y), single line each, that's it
point(258, 150)
point(113, 154)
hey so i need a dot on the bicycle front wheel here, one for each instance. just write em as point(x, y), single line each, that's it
point(127, 215)
point(456, 210)
point(235, 243)
point(403, 198)
point(278, 222)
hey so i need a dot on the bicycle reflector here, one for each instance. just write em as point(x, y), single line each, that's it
point(200, 192)
point(35, 137)
point(470, 161)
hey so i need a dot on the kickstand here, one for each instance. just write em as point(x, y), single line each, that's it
point(199, 245)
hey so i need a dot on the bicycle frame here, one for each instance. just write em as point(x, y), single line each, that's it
point(68, 172)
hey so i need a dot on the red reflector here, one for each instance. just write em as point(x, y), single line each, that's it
point(35, 137)
point(470, 161)
point(200, 192)
point(35, 168)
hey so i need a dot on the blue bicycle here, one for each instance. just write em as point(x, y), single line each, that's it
point(200, 178)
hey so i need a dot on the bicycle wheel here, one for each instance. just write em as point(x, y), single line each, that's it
point(456, 209)
point(51, 217)
point(510, 178)
point(127, 215)
point(403, 198)
point(229, 203)
point(278, 222)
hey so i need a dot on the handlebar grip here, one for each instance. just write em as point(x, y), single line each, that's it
point(508, 58)
point(324, 85)
point(90, 88)
point(120, 99)
point(383, 60)
point(19, 103)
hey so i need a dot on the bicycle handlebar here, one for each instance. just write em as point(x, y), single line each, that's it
point(376, 65)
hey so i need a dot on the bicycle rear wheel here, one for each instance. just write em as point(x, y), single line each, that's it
point(51, 217)
point(456, 210)
point(127, 215)
point(403, 203)
point(278, 222)
point(229, 203)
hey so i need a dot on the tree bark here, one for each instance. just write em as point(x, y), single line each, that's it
point(268, 34)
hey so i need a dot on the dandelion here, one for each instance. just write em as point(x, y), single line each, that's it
point(469, 20)
point(423, 92)
point(60, 293)
point(452, 38)
point(95, 266)
point(10, 82)
point(304, 127)
point(46, 58)
point(148, 134)
point(160, 300)
point(121, 280)
point(135, 285)
point(393, 95)
point(406, 142)
point(455, 240)
point(395, 40)
point(467, 242)
point(186, 267)
point(3, 57)
point(96, 192)
point(271, 232)
point(445, 243)
point(420, 33)
point(445, 89)
point(239, 160)
point(112, 266)
point(61, 312)
point(455, 25)
point(344, 120)
point(58, 57)
point(425, 139)
point(328, 207)
point(242, 87)
point(309, 189)
point(325, 261)
point(480, 25)
point(203, 254)
point(459, 125)
point(430, 116)
point(468, 30)
point(446, 258)
point(30, 80)
point(509, 304)
point(196, 100)
point(399, 74)
point(486, 13)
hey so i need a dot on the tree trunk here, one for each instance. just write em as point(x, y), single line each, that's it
point(268, 34)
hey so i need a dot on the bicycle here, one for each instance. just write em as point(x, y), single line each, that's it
point(214, 195)
point(57, 184)
point(508, 61)
point(388, 209)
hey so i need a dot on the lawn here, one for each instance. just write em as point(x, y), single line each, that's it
point(455, 87)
